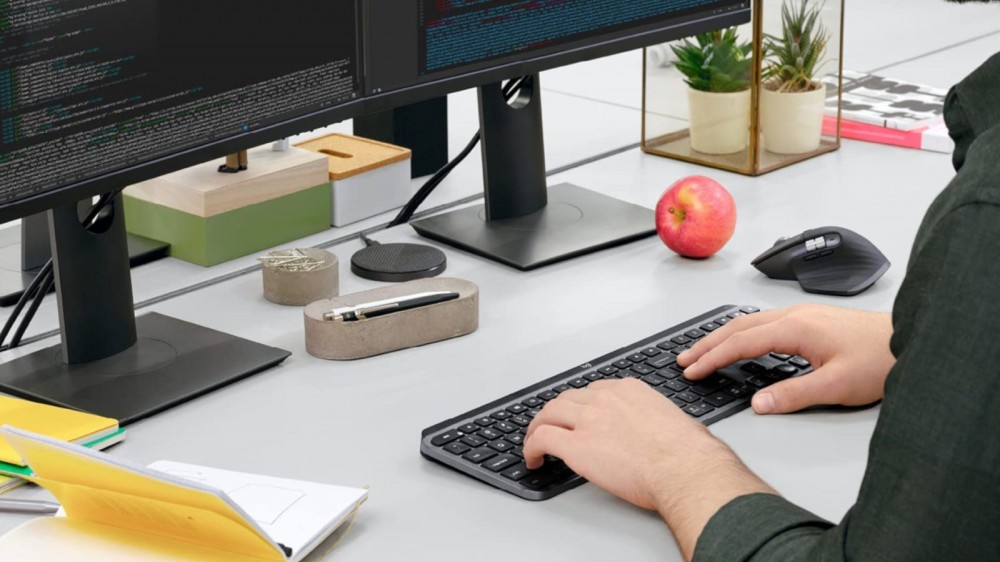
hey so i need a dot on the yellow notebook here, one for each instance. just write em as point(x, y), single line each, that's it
point(51, 421)
point(117, 511)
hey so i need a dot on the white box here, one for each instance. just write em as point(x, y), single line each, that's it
point(367, 177)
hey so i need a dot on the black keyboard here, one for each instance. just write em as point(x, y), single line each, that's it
point(487, 443)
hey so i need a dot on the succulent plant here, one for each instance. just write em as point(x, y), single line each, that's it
point(792, 58)
point(715, 62)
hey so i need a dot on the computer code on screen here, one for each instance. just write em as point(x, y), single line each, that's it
point(88, 87)
point(460, 32)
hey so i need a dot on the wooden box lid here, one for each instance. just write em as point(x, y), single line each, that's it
point(350, 156)
point(204, 192)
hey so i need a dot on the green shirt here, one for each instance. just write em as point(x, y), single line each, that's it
point(931, 490)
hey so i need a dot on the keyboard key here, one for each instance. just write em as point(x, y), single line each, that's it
point(786, 370)
point(722, 321)
point(629, 375)
point(490, 434)
point(680, 403)
point(676, 368)
point(637, 358)
point(579, 383)
point(719, 399)
point(710, 327)
point(548, 395)
point(687, 397)
point(710, 385)
point(501, 415)
point(518, 451)
point(533, 402)
point(532, 413)
point(757, 382)
point(457, 448)
point(738, 390)
point(521, 421)
point(516, 472)
point(473, 441)
point(666, 346)
point(753, 368)
point(446, 437)
point(561, 388)
point(698, 410)
point(800, 362)
point(735, 315)
point(676, 385)
point(750, 310)
point(538, 479)
point(642, 369)
point(664, 391)
point(484, 421)
point(499, 463)
point(651, 352)
point(781, 356)
point(593, 376)
point(678, 350)
point(479, 455)
point(662, 362)
point(515, 438)
point(694, 334)
point(469, 428)
point(622, 364)
point(517, 409)
point(653, 380)
point(505, 427)
point(501, 445)
point(609, 370)
point(681, 340)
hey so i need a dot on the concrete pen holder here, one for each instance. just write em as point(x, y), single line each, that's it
point(299, 286)
point(339, 340)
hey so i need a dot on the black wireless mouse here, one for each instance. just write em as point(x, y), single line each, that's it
point(826, 261)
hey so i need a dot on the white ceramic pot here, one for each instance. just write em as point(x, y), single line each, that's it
point(792, 123)
point(720, 123)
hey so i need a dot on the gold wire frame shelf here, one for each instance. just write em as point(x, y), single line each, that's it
point(674, 140)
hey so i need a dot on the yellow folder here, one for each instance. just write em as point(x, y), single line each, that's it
point(115, 511)
point(51, 421)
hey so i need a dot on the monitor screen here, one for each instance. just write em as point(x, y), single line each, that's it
point(456, 37)
point(91, 87)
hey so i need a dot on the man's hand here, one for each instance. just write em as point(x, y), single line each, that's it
point(849, 350)
point(630, 440)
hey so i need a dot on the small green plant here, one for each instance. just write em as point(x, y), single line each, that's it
point(791, 59)
point(715, 62)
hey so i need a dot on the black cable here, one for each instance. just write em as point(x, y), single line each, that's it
point(25, 296)
point(408, 210)
point(30, 314)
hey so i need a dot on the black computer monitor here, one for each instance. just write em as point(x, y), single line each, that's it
point(97, 95)
point(416, 47)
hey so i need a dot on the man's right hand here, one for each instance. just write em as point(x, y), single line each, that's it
point(849, 350)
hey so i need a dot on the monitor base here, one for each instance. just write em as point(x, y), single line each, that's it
point(13, 281)
point(173, 362)
point(576, 221)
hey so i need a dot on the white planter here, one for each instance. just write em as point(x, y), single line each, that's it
point(720, 123)
point(792, 123)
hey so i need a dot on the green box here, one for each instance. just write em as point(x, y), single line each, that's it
point(209, 241)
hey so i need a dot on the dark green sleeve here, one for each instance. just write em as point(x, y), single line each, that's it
point(931, 490)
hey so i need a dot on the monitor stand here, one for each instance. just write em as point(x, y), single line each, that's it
point(110, 362)
point(523, 223)
point(24, 250)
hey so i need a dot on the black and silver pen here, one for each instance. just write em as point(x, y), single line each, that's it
point(388, 306)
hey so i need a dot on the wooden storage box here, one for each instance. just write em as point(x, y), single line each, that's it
point(367, 177)
point(209, 217)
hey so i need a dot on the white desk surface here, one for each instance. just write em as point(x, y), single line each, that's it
point(358, 423)
point(569, 139)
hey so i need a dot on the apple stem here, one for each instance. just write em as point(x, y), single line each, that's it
point(679, 214)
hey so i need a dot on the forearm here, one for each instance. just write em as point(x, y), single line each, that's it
point(687, 505)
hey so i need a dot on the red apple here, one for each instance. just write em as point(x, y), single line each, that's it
point(696, 217)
